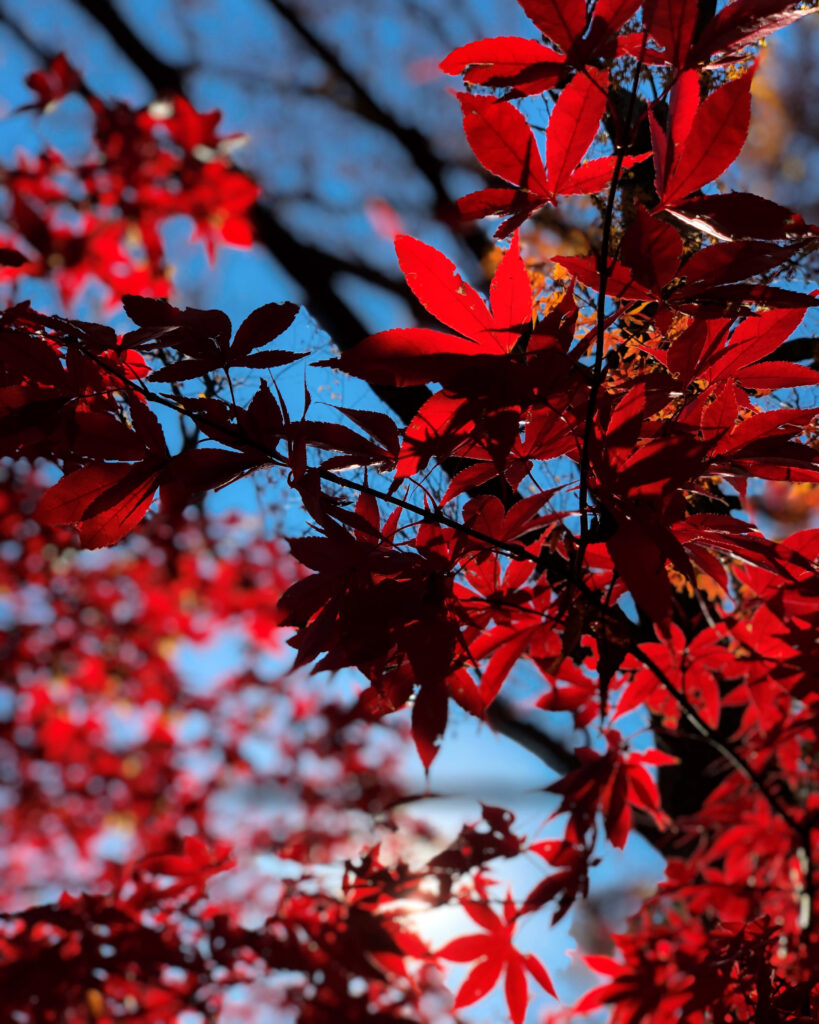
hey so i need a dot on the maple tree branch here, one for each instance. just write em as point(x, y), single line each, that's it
point(413, 142)
point(163, 77)
point(802, 830)
point(603, 273)
point(550, 751)
point(549, 748)
point(801, 349)
point(724, 747)
point(516, 551)
point(519, 552)
point(22, 35)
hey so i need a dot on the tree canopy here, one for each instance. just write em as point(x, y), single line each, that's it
point(588, 464)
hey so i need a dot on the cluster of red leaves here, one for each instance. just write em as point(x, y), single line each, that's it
point(128, 785)
point(99, 219)
point(660, 601)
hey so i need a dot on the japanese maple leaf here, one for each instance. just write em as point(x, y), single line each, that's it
point(612, 784)
point(494, 950)
point(741, 24)
point(570, 880)
point(417, 355)
point(203, 336)
point(703, 139)
point(714, 280)
point(504, 143)
point(106, 500)
point(529, 67)
point(729, 216)
point(719, 42)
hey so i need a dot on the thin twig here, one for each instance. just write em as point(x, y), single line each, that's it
point(603, 274)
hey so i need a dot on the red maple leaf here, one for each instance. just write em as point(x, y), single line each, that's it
point(496, 954)
point(416, 355)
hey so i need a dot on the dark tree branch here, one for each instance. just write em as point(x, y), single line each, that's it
point(799, 350)
point(413, 142)
point(163, 77)
point(550, 751)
